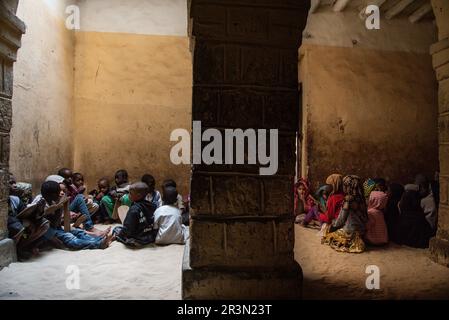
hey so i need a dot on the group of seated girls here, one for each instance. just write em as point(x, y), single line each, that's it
point(146, 216)
point(351, 213)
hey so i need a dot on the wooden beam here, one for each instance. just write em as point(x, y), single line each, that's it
point(314, 5)
point(397, 8)
point(378, 3)
point(420, 13)
point(340, 5)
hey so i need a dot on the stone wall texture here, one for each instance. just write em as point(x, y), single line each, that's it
point(245, 75)
point(11, 30)
point(439, 246)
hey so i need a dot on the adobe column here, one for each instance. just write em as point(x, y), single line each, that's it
point(245, 75)
point(11, 30)
point(439, 246)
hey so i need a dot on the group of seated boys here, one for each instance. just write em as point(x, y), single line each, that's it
point(64, 216)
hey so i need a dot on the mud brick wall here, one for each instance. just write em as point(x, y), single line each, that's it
point(11, 30)
point(245, 75)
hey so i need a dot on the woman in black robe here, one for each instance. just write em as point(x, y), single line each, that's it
point(413, 228)
point(395, 191)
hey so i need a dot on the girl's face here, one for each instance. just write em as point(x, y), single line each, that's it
point(325, 194)
point(301, 191)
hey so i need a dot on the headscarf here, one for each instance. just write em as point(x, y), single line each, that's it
point(308, 200)
point(377, 200)
point(411, 187)
point(410, 202)
point(319, 195)
point(368, 187)
point(395, 191)
point(352, 187)
point(336, 181)
point(305, 184)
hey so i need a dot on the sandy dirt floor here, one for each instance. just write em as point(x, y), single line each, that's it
point(405, 273)
point(153, 272)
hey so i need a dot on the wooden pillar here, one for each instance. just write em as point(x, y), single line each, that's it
point(245, 75)
point(11, 30)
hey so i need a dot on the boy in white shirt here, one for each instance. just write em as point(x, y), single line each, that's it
point(168, 221)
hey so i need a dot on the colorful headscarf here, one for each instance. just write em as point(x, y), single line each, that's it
point(368, 187)
point(308, 200)
point(305, 184)
point(336, 181)
point(319, 195)
point(352, 187)
point(377, 200)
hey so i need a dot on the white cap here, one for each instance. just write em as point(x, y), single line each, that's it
point(55, 178)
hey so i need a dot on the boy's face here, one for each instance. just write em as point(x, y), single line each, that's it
point(67, 175)
point(54, 198)
point(78, 181)
point(13, 187)
point(135, 196)
point(103, 186)
point(63, 190)
point(120, 179)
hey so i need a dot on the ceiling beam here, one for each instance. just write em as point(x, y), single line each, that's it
point(340, 5)
point(314, 5)
point(420, 13)
point(397, 8)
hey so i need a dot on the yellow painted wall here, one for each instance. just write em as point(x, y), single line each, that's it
point(131, 91)
point(42, 132)
point(368, 112)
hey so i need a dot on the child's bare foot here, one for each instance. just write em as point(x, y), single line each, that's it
point(98, 233)
point(105, 243)
point(107, 240)
point(111, 238)
point(107, 231)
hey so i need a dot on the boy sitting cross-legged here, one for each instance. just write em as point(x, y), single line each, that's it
point(104, 199)
point(137, 229)
point(78, 181)
point(78, 206)
point(168, 220)
point(75, 239)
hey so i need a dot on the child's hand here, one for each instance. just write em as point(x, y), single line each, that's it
point(74, 215)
